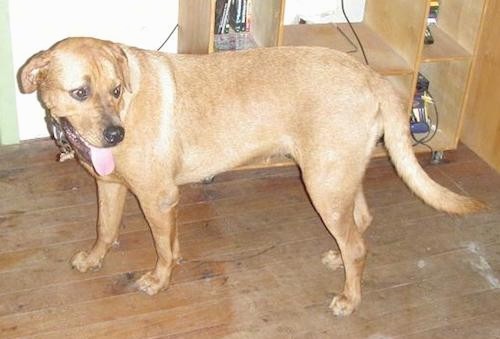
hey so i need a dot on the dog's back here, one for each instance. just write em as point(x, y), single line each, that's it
point(268, 101)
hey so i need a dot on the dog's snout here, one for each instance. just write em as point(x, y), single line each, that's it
point(114, 134)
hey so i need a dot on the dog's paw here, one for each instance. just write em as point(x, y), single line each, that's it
point(83, 262)
point(151, 284)
point(342, 306)
point(332, 260)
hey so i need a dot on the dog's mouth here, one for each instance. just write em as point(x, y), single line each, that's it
point(100, 158)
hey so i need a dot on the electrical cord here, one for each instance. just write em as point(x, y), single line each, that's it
point(354, 32)
point(421, 142)
point(345, 16)
point(168, 37)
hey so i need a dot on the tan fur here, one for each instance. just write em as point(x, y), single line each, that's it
point(190, 117)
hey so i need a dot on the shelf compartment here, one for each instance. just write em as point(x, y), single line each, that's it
point(444, 48)
point(381, 56)
point(448, 87)
point(197, 22)
point(461, 19)
point(442, 141)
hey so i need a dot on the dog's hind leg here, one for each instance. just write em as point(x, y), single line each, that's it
point(333, 195)
point(362, 216)
point(111, 198)
point(362, 219)
point(161, 212)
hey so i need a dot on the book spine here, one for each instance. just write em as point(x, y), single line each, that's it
point(248, 22)
point(236, 17)
point(243, 18)
point(218, 16)
point(232, 14)
point(221, 20)
point(225, 18)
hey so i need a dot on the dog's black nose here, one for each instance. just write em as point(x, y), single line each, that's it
point(114, 134)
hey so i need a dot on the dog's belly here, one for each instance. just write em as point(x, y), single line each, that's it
point(200, 163)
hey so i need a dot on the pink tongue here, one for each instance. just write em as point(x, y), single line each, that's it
point(102, 159)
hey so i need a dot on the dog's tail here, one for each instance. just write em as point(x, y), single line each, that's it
point(398, 143)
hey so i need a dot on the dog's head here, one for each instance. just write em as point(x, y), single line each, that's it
point(82, 83)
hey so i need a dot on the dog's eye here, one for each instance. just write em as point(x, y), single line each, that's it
point(80, 94)
point(117, 91)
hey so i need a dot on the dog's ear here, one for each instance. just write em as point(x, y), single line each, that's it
point(122, 61)
point(33, 72)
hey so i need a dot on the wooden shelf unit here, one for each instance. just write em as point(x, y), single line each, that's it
point(392, 34)
point(444, 48)
point(448, 64)
point(382, 57)
point(197, 22)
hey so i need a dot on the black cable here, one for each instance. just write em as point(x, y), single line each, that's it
point(421, 141)
point(168, 38)
point(354, 32)
point(436, 115)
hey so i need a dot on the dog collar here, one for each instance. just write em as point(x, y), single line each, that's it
point(66, 151)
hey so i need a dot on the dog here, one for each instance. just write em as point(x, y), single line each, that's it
point(148, 122)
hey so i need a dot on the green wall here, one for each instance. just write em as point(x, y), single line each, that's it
point(8, 114)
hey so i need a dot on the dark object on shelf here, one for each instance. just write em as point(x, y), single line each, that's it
point(420, 122)
point(222, 8)
point(237, 15)
point(419, 127)
point(422, 84)
point(428, 38)
point(433, 12)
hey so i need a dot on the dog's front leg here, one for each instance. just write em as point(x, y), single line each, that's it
point(111, 198)
point(160, 209)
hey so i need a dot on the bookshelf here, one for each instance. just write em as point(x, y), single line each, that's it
point(392, 34)
point(197, 22)
point(448, 63)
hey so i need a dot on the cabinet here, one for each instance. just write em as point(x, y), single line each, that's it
point(481, 123)
point(392, 34)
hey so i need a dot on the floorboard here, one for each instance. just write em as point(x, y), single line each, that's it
point(251, 245)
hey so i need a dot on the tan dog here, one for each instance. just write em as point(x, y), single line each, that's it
point(148, 122)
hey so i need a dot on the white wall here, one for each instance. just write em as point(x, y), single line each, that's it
point(36, 25)
point(323, 11)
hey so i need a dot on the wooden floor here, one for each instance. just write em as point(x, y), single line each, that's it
point(252, 245)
